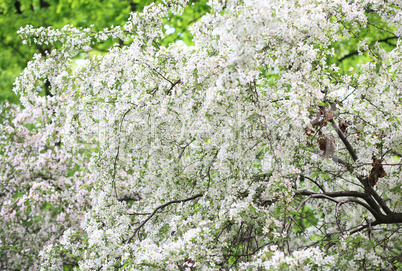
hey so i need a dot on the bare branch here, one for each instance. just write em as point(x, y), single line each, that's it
point(172, 86)
point(332, 195)
point(335, 194)
point(317, 184)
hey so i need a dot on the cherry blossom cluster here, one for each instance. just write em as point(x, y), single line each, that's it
point(253, 149)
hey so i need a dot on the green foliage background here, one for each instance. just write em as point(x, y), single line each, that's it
point(80, 13)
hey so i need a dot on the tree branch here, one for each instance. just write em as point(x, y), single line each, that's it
point(345, 141)
point(117, 153)
point(377, 197)
point(335, 159)
point(334, 194)
point(357, 52)
point(317, 184)
point(173, 85)
point(157, 209)
point(371, 206)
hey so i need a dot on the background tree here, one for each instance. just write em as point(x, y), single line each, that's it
point(268, 145)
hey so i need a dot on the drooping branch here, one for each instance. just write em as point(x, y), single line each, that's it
point(159, 208)
point(313, 181)
point(117, 153)
point(319, 195)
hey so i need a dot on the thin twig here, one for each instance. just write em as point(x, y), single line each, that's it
point(173, 85)
point(135, 213)
point(317, 184)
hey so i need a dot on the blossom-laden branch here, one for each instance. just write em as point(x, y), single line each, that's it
point(159, 208)
point(300, 157)
point(117, 153)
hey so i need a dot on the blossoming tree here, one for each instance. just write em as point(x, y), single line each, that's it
point(258, 148)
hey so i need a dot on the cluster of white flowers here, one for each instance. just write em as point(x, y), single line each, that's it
point(307, 259)
point(44, 188)
point(242, 151)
